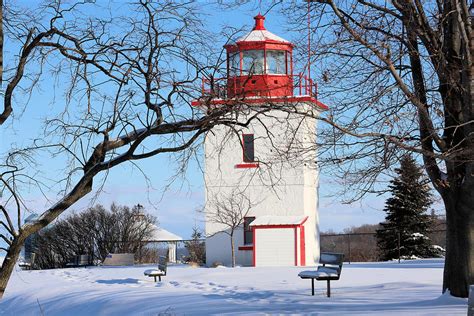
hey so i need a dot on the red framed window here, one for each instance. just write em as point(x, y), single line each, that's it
point(248, 233)
point(248, 148)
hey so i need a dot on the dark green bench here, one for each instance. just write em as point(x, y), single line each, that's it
point(161, 271)
point(329, 270)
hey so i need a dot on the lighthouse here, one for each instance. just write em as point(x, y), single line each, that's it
point(264, 168)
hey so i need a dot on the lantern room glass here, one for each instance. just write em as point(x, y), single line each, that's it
point(252, 62)
point(234, 64)
point(276, 62)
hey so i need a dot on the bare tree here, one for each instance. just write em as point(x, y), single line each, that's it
point(95, 232)
point(399, 77)
point(229, 214)
point(121, 99)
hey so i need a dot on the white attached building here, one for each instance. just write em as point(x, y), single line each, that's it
point(271, 160)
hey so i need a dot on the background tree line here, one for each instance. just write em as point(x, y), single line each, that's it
point(408, 231)
point(95, 232)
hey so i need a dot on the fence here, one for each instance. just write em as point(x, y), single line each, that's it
point(149, 251)
point(362, 247)
point(357, 247)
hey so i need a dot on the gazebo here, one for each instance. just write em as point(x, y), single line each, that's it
point(162, 235)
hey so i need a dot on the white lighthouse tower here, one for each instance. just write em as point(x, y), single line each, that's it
point(263, 169)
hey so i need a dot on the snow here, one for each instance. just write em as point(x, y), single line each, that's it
point(437, 247)
point(153, 272)
point(261, 35)
point(160, 234)
point(322, 272)
point(409, 288)
point(278, 220)
point(415, 236)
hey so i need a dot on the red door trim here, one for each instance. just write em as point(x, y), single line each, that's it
point(302, 247)
point(296, 246)
point(254, 241)
point(295, 228)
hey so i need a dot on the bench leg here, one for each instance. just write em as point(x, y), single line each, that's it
point(155, 278)
point(312, 287)
point(159, 277)
point(329, 288)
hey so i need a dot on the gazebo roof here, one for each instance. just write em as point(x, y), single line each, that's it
point(160, 234)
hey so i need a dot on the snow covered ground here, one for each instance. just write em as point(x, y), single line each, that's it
point(409, 288)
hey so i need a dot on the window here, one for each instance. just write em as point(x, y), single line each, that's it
point(276, 62)
point(252, 62)
point(248, 148)
point(248, 233)
point(234, 64)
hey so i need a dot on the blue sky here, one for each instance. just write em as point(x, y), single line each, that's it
point(176, 208)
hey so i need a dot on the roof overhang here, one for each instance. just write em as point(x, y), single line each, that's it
point(276, 221)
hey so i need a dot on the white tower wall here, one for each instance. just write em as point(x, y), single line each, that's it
point(285, 182)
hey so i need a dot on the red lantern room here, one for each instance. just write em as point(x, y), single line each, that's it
point(260, 66)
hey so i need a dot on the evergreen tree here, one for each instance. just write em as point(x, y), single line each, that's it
point(196, 248)
point(404, 231)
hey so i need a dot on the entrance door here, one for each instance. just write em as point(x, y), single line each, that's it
point(274, 247)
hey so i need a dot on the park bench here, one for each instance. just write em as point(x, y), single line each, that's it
point(79, 261)
point(161, 271)
point(27, 265)
point(329, 270)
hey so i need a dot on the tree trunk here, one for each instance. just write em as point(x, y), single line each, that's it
point(232, 248)
point(9, 264)
point(459, 262)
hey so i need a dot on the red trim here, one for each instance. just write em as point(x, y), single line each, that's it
point(296, 246)
point(227, 63)
point(295, 227)
point(254, 247)
point(246, 165)
point(245, 247)
point(304, 221)
point(259, 22)
point(302, 246)
point(263, 100)
point(259, 45)
point(291, 63)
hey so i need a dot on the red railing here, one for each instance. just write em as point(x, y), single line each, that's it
point(214, 87)
point(223, 87)
point(305, 86)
